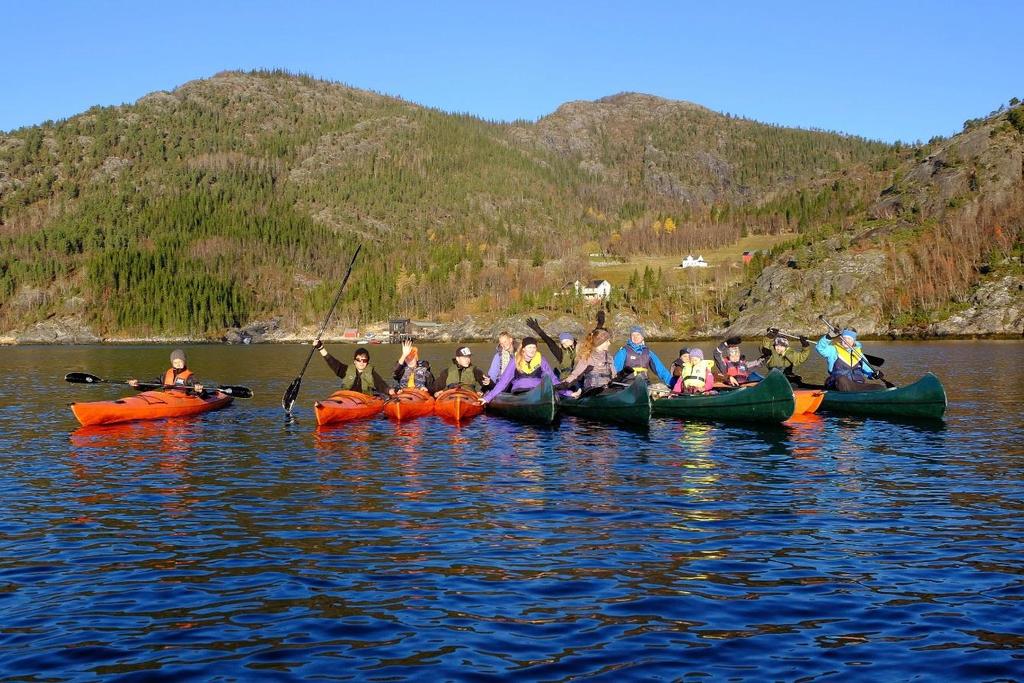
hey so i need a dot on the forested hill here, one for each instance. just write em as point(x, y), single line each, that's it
point(937, 252)
point(239, 198)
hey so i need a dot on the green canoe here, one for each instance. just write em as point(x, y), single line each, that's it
point(536, 405)
point(628, 405)
point(925, 398)
point(770, 400)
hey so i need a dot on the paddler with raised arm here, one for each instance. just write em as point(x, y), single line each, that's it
point(847, 368)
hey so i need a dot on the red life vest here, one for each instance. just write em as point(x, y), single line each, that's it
point(737, 369)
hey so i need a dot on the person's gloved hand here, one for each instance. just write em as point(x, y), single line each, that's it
point(773, 331)
point(879, 374)
point(804, 342)
point(533, 324)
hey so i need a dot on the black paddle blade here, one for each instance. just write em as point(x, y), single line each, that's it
point(236, 391)
point(81, 378)
point(290, 394)
point(874, 360)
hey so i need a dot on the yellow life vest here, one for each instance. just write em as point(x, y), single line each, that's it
point(851, 358)
point(528, 367)
point(695, 374)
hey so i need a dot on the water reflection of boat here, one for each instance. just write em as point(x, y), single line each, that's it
point(169, 436)
point(166, 446)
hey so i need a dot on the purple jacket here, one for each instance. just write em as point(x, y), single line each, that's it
point(495, 370)
point(509, 381)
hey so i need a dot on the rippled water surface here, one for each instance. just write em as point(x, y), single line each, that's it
point(241, 546)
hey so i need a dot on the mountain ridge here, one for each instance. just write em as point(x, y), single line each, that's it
point(249, 180)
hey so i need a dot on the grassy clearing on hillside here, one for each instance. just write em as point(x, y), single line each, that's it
point(727, 258)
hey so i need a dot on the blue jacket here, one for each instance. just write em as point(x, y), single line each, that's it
point(663, 373)
point(827, 350)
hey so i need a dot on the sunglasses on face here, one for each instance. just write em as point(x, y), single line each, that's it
point(362, 360)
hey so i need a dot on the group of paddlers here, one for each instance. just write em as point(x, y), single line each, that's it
point(588, 366)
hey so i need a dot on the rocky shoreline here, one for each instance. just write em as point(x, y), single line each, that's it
point(992, 314)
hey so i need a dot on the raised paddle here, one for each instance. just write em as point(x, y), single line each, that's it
point(86, 378)
point(292, 392)
point(872, 360)
point(868, 360)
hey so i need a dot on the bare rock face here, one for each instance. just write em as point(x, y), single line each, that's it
point(844, 288)
point(997, 308)
point(66, 330)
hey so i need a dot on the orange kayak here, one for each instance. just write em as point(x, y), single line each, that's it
point(344, 406)
point(409, 403)
point(148, 405)
point(807, 400)
point(458, 405)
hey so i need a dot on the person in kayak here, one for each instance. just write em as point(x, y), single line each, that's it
point(595, 367)
point(695, 376)
point(526, 371)
point(738, 370)
point(360, 376)
point(847, 369)
point(176, 376)
point(462, 373)
point(636, 356)
point(502, 356)
point(564, 350)
point(410, 372)
point(776, 353)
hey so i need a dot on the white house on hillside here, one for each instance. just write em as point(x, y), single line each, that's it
point(690, 262)
point(593, 290)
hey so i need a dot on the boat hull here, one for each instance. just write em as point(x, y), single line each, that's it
point(346, 406)
point(808, 400)
point(924, 399)
point(457, 405)
point(148, 405)
point(408, 404)
point(628, 405)
point(769, 401)
point(538, 405)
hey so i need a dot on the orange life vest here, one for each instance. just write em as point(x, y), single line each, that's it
point(173, 376)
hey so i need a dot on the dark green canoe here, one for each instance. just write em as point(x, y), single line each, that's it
point(770, 400)
point(626, 405)
point(536, 405)
point(925, 398)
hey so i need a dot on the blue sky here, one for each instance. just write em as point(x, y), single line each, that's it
point(886, 70)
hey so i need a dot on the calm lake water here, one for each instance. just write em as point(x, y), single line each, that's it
point(241, 546)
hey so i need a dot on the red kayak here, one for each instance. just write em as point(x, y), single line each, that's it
point(409, 403)
point(458, 405)
point(345, 406)
point(148, 405)
point(807, 400)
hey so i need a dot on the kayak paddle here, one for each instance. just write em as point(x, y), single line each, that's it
point(292, 392)
point(868, 360)
point(872, 360)
point(86, 378)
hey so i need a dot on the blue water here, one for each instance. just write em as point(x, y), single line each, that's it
point(243, 546)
